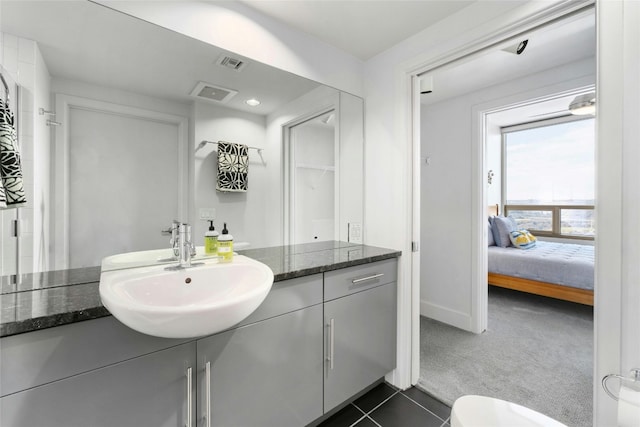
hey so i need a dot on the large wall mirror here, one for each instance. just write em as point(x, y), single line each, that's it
point(112, 117)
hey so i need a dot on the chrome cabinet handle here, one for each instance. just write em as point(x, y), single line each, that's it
point(189, 397)
point(331, 343)
point(364, 279)
point(208, 393)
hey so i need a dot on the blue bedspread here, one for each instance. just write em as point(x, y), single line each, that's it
point(560, 263)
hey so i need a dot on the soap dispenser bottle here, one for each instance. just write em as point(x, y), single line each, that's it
point(211, 240)
point(225, 245)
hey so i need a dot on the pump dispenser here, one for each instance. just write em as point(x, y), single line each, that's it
point(225, 245)
point(211, 240)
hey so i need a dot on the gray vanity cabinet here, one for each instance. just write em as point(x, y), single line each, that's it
point(267, 373)
point(150, 390)
point(360, 329)
point(314, 342)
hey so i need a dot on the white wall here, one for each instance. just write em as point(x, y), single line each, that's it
point(351, 167)
point(446, 136)
point(244, 213)
point(257, 215)
point(117, 96)
point(124, 105)
point(240, 29)
point(306, 106)
point(23, 61)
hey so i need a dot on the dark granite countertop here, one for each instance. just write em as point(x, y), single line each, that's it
point(42, 300)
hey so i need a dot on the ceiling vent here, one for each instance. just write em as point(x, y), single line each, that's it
point(213, 93)
point(232, 63)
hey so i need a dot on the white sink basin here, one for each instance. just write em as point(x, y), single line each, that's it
point(138, 259)
point(186, 303)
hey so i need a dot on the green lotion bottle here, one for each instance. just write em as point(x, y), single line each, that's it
point(211, 240)
point(225, 245)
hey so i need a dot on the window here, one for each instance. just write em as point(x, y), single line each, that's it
point(549, 176)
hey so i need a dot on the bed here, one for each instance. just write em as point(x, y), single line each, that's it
point(558, 270)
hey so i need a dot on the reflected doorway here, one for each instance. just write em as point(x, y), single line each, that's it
point(311, 179)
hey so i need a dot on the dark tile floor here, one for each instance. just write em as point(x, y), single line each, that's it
point(384, 406)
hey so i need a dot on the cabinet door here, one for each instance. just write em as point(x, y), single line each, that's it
point(360, 338)
point(146, 391)
point(264, 374)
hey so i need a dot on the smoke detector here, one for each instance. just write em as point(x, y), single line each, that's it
point(231, 63)
point(213, 93)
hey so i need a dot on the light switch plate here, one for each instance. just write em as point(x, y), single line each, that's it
point(207, 214)
point(355, 232)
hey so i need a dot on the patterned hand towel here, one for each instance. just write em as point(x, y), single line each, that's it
point(233, 167)
point(10, 166)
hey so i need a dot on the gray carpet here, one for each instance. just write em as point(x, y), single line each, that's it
point(537, 352)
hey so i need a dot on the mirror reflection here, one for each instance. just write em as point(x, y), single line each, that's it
point(112, 115)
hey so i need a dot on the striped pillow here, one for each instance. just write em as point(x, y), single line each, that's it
point(522, 239)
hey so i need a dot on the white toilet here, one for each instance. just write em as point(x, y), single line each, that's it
point(481, 411)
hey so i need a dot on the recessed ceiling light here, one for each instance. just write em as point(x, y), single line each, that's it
point(252, 102)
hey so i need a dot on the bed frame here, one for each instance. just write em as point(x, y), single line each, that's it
point(566, 293)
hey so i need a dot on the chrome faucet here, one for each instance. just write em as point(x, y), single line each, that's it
point(185, 246)
point(173, 231)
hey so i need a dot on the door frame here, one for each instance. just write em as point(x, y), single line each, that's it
point(288, 169)
point(479, 114)
point(617, 343)
point(411, 78)
point(61, 161)
point(617, 347)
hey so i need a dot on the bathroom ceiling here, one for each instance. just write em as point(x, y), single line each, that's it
point(90, 43)
point(363, 28)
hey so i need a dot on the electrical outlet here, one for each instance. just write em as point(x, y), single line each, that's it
point(355, 232)
point(207, 214)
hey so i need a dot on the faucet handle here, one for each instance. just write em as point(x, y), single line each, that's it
point(172, 229)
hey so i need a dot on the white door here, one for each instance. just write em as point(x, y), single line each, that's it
point(618, 212)
point(120, 176)
point(123, 184)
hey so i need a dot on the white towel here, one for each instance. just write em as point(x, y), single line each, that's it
point(10, 165)
point(233, 167)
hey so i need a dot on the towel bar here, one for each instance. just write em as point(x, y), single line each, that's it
point(203, 143)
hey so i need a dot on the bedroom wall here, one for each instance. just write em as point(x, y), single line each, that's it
point(446, 132)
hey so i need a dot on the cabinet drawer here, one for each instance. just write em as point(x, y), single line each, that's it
point(287, 296)
point(39, 357)
point(151, 390)
point(346, 281)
